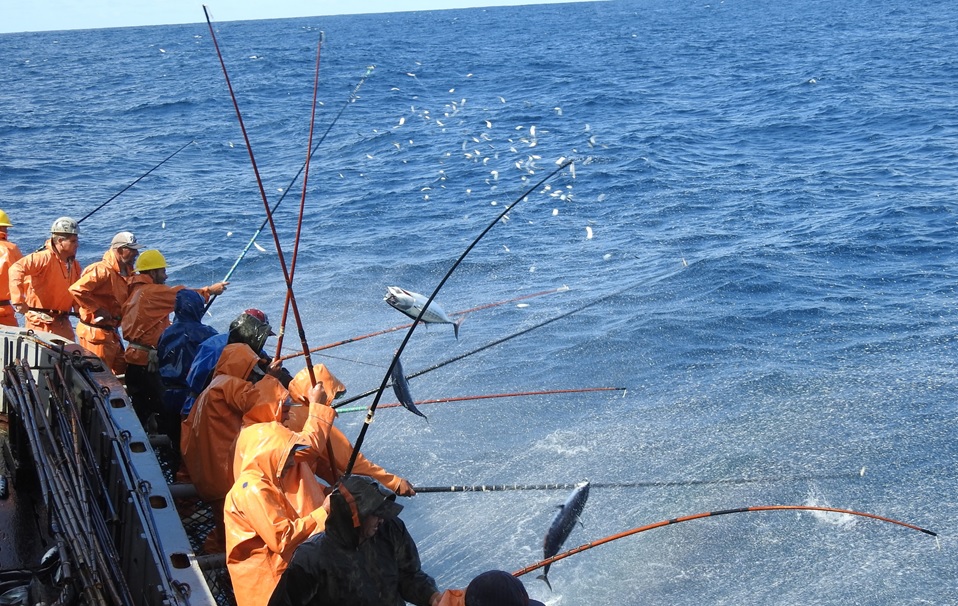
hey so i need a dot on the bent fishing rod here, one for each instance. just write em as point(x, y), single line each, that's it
point(352, 97)
point(516, 334)
point(262, 191)
point(137, 180)
point(708, 514)
point(402, 326)
point(402, 346)
point(302, 209)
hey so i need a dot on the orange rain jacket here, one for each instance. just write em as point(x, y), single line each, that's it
point(146, 314)
point(42, 280)
point(230, 403)
point(102, 287)
point(263, 524)
point(338, 443)
point(9, 254)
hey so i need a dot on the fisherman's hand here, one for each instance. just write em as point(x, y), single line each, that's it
point(218, 288)
point(405, 488)
point(318, 394)
point(22, 308)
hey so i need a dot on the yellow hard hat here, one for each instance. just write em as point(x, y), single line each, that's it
point(150, 259)
point(5, 220)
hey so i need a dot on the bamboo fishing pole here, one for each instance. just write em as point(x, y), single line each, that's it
point(402, 346)
point(515, 394)
point(402, 326)
point(708, 514)
point(299, 223)
point(137, 180)
point(262, 191)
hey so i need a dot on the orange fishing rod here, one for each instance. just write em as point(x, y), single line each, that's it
point(395, 328)
point(299, 224)
point(708, 514)
point(262, 192)
point(514, 394)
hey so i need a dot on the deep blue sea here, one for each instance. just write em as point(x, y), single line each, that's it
point(763, 201)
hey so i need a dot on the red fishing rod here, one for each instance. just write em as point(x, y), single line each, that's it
point(262, 192)
point(395, 328)
point(709, 514)
point(514, 394)
point(299, 223)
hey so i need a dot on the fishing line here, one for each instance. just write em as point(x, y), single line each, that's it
point(707, 514)
point(137, 180)
point(352, 97)
point(262, 191)
point(402, 346)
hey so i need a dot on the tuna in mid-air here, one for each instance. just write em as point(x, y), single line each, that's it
point(562, 526)
point(411, 303)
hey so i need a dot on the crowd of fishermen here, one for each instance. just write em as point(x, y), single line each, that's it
point(258, 444)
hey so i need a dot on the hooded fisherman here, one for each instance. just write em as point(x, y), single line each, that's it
point(365, 556)
point(276, 502)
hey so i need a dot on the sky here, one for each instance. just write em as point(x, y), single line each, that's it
point(47, 15)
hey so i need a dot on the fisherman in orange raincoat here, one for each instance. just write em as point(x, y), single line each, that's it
point(146, 314)
point(100, 294)
point(9, 254)
point(338, 447)
point(276, 502)
point(40, 282)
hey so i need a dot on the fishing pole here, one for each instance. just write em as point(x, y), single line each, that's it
point(707, 514)
point(262, 191)
point(515, 334)
point(352, 97)
point(138, 179)
point(302, 209)
point(402, 326)
point(650, 484)
point(515, 394)
point(415, 322)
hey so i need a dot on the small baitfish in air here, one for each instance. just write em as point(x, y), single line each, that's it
point(411, 303)
point(401, 389)
point(562, 526)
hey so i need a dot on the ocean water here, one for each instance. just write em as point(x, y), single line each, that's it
point(763, 205)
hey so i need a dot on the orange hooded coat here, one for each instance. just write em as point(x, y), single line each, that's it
point(230, 403)
point(102, 287)
point(42, 280)
point(263, 524)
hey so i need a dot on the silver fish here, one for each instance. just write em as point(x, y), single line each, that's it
point(562, 526)
point(401, 389)
point(411, 303)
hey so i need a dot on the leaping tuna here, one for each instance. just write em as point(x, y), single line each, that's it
point(411, 303)
point(562, 526)
point(401, 389)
